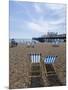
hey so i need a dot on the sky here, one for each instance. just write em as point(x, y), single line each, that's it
point(34, 19)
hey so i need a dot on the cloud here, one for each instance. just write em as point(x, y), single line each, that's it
point(37, 18)
point(45, 26)
point(57, 9)
point(55, 6)
point(37, 7)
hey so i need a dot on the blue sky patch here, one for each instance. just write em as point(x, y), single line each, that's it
point(30, 19)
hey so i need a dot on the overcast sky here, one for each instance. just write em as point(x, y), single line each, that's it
point(28, 19)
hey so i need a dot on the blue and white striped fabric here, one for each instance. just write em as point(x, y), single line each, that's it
point(50, 59)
